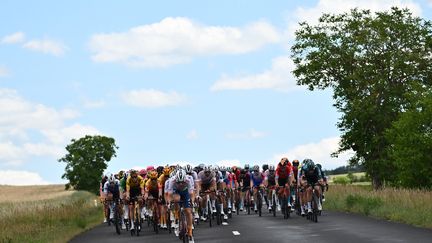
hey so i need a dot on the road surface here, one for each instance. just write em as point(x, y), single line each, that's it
point(331, 227)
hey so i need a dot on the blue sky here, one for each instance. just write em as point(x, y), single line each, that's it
point(169, 80)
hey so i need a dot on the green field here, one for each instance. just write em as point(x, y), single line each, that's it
point(400, 205)
point(45, 213)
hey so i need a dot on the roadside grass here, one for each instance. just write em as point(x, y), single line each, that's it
point(400, 205)
point(56, 216)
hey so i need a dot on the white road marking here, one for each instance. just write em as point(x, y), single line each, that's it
point(236, 233)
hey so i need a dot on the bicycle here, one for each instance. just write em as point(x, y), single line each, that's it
point(273, 200)
point(313, 216)
point(137, 213)
point(118, 212)
point(208, 207)
point(286, 210)
point(259, 200)
point(154, 220)
point(237, 200)
point(182, 221)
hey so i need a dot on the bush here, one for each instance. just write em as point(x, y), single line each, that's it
point(341, 180)
point(365, 204)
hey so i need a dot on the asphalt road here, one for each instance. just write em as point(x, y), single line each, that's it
point(331, 227)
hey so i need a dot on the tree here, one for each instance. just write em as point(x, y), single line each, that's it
point(86, 160)
point(412, 145)
point(373, 63)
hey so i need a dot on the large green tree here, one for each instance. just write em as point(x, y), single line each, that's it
point(86, 160)
point(373, 62)
point(411, 137)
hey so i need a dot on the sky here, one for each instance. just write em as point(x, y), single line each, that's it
point(170, 81)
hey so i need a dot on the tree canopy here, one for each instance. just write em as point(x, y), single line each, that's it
point(86, 160)
point(375, 63)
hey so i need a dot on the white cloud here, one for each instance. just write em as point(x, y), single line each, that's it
point(3, 71)
point(192, 135)
point(228, 162)
point(14, 38)
point(319, 152)
point(251, 134)
point(93, 104)
point(47, 46)
point(150, 98)
point(278, 77)
point(311, 15)
point(21, 120)
point(177, 40)
point(17, 177)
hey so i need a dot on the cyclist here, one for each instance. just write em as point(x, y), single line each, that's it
point(192, 175)
point(295, 168)
point(310, 176)
point(151, 191)
point(134, 189)
point(264, 171)
point(244, 184)
point(284, 177)
point(256, 182)
point(161, 185)
point(270, 184)
point(111, 192)
point(206, 183)
point(102, 195)
point(236, 177)
point(181, 189)
point(123, 176)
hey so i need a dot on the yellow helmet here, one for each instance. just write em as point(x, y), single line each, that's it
point(153, 174)
point(166, 171)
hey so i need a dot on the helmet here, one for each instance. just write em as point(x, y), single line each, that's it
point(256, 168)
point(150, 167)
point(271, 168)
point(222, 168)
point(143, 172)
point(159, 169)
point(246, 167)
point(284, 160)
point(188, 169)
point(166, 171)
point(215, 168)
point(153, 175)
point(265, 167)
point(172, 173)
point(295, 163)
point(319, 166)
point(133, 172)
point(111, 178)
point(234, 168)
point(121, 174)
point(229, 169)
point(309, 164)
point(207, 168)
point(180, 176)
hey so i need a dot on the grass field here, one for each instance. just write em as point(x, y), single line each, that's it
point(45, 213)
point(400, 205)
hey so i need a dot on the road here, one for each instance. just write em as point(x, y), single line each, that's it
point(332, 227)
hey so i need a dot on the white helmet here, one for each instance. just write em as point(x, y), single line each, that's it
point(188, 168)
point(180, 176)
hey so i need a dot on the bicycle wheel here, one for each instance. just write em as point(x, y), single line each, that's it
point(155, 221)
point(218, 214)
point(117, 219)
point(259, 203)
point(137, 221)
point(168, 220)
point(209, 213)
point(274, 204)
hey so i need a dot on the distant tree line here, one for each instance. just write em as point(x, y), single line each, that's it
point(345, 170)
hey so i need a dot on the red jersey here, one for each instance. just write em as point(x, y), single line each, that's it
point(283, 171)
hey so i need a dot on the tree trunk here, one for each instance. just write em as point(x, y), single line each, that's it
point(377, 182)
